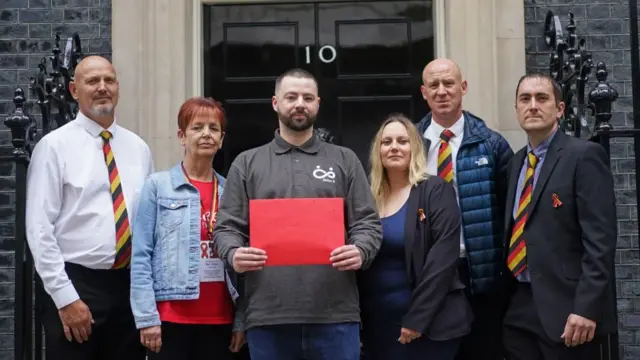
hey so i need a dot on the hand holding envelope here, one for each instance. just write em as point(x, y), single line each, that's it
point(346, 258)
point(249, 259)
point(298, 231)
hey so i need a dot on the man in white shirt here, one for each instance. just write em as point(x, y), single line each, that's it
point(82, 187)
point(465, 152)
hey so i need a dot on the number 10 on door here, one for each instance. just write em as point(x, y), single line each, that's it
point(327, 54)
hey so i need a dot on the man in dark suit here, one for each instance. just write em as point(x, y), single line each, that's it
point(561, 236)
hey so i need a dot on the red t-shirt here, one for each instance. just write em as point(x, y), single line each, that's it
point(214, 306)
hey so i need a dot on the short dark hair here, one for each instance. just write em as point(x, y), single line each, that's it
point(296, 73)
point(557, 89)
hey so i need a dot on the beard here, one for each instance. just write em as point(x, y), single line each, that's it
point(297, 124)
point(101, 110)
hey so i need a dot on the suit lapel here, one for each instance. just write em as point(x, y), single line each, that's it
point(410, 225)
point(514, 174)
point(550, 160)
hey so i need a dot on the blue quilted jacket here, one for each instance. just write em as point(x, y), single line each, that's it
point(481, 180)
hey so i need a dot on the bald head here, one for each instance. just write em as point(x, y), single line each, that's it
point(443, 89)
point(95, 88)
point(441, 65)
point(92, 62)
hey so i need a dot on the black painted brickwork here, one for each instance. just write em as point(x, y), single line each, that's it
point(27, 32)
point(605, 25)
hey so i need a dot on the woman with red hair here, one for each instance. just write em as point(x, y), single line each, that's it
point(183, 299)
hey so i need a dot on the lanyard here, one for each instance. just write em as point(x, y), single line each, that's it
point(214, 200)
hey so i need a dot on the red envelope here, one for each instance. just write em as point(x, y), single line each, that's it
point(297, 231)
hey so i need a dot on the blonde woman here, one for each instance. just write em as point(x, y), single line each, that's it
point(413, 305)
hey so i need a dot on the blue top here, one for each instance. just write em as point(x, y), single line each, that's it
point(481, 164)
point(385, 292)
point(385, 284)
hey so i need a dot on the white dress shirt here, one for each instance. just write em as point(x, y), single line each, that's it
point(69, 207)
point(433, 134)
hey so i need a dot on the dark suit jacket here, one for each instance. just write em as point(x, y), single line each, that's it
point(439, 308)
point(570, 248)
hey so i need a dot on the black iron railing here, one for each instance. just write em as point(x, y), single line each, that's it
point(571, 65)
point(51, 88)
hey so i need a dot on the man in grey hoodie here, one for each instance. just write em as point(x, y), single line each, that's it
point(310, 311)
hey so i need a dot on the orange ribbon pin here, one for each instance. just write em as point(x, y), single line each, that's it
point(421, 215)
point(556, 201)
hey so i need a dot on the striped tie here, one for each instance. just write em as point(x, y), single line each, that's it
point(517, 260)
point(445, 164)
point(123, 232)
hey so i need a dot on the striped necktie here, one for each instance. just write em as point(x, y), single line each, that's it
point(445, 164)
point(123, 231)
point(517, 260)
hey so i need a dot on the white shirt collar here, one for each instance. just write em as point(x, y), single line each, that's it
point(92, 127)
point(457, 128)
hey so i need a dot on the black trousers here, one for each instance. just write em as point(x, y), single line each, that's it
point(525, 339)
point(114, 335)
point(484, 342)
point(196, 342)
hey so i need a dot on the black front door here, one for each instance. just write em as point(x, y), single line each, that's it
point(367, 57)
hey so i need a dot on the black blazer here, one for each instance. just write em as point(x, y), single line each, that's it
point(570, 248)
point(439, 307)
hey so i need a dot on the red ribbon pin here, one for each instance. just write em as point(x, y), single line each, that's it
point(421, 215)
point(556, 201)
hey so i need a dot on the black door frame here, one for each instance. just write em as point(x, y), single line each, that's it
point(316, 66)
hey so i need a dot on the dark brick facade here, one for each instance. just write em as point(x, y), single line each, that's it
point(607, 24)
point(27, 33)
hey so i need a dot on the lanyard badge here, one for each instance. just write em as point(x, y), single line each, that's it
point(214, 201)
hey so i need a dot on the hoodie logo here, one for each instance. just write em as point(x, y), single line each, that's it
point(326, 176)
point(482, 161)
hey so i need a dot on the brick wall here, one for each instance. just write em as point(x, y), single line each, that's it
point(607, 23)
point(27, 33)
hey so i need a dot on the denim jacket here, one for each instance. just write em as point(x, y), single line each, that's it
point(165, 255)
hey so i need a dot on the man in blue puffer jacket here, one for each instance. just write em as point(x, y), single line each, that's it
point(463, 150)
